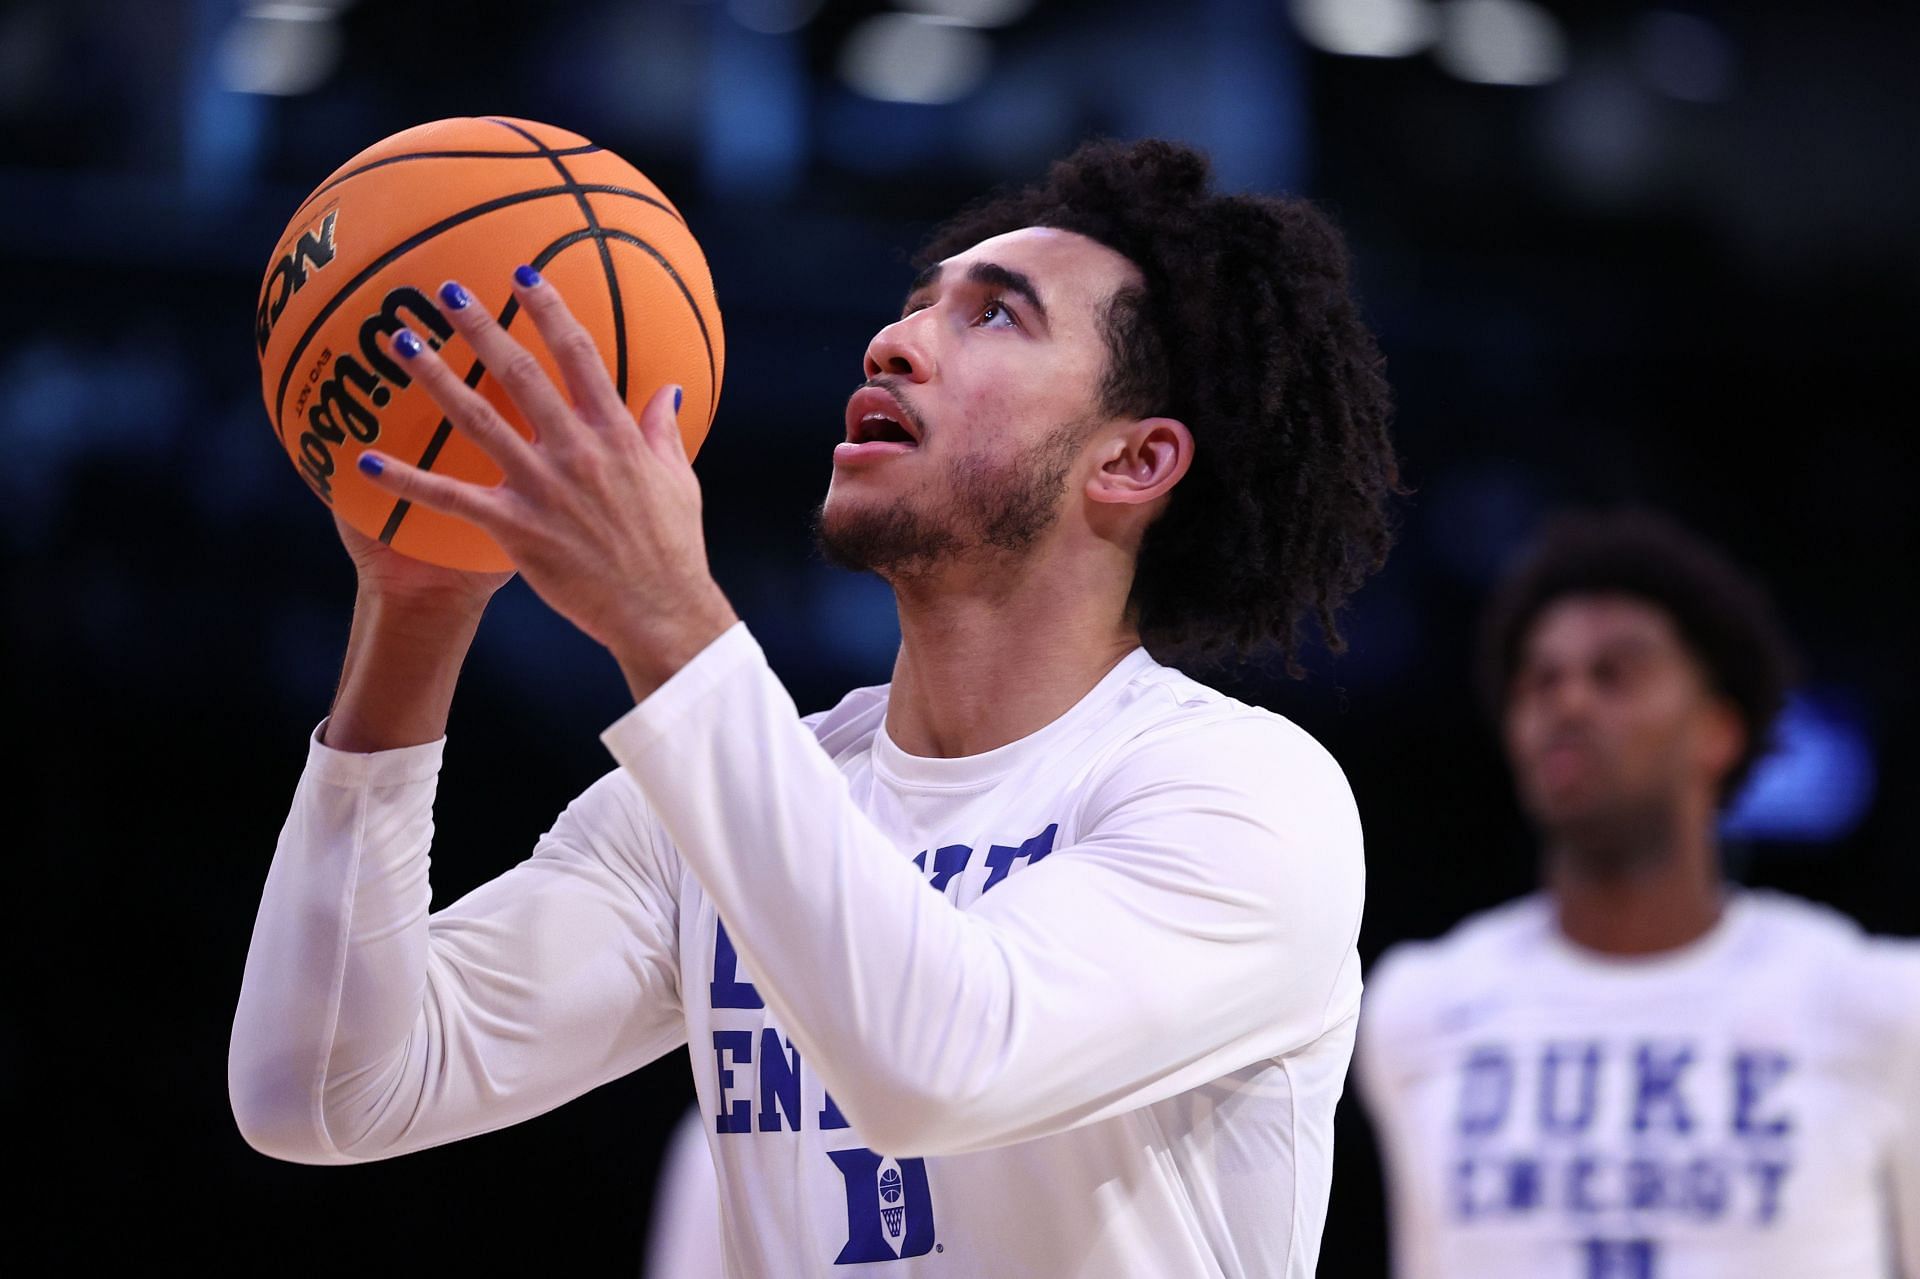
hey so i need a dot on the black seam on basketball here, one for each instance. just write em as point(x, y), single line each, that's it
point(434, 155)
point(405, 246)
point(693, 304)
point(474, 374)
point(547, 152)
point(507, 312)
point(606, 260)
point(440, 433)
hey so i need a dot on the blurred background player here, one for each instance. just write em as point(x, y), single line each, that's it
point(1643, 1071)
point(1040, 959)
point(683, 1222)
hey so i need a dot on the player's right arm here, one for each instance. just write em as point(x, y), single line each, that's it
point(412, 626)
point(367, 1027)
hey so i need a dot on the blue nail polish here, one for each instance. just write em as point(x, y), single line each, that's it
point(526, 277)
point(454, 296)
point(371, 463)
point(406, 344)
point(676, 399)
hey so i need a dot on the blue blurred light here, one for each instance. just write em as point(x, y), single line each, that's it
point(880, 139)
point(63, 406)
point(853, 618)
point(1819, 781)
point(1247, 109)
point(773, 17)
point(1479, 514)
point(756, 113)
point(1684, 56)
point(223, 122)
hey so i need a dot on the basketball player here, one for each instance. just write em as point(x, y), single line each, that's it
point(1039, 960)
point(1643, 1071)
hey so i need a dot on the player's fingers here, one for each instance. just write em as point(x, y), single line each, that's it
point(660, 425)
point(573, 348)
point(510, 364)
point(465, 407)
point(468, 501)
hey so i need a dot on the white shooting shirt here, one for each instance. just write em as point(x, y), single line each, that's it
point(1081, 1005)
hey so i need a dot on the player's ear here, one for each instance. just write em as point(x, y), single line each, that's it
point(1141, 460)
point(1724, 739)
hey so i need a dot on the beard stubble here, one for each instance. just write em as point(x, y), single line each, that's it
point(993, 510)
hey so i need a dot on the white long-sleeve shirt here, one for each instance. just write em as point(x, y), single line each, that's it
point(1747, 1105)
point(1081, 1005)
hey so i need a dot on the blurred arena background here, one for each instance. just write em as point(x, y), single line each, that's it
point(1636, 251)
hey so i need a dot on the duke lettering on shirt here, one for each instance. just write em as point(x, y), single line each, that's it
point(759, 1079)
point(743, 1058)
point(1587, 1127)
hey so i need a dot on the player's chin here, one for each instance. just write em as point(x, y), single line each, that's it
point(844, 509)
point(1575, 809)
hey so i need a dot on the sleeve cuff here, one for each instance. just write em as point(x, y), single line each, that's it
point(377, 768)
point(653, 719)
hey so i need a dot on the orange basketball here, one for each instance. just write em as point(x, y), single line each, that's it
point(469, 200)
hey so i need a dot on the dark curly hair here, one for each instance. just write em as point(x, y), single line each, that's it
point(1724, 616)
point(1245, 330)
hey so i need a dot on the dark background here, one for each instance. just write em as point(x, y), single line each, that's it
point(1678, 271)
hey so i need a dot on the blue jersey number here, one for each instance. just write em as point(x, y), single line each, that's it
point(1621, 1259)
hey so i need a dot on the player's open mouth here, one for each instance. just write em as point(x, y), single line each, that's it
point(877, 426)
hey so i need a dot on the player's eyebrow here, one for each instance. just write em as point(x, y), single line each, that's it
point(1630, 647)
point(992, 275)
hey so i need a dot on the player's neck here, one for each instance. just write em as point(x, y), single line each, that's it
point(986, 661)
point(1662, 899)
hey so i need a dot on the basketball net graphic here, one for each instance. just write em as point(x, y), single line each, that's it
point(893, 1211)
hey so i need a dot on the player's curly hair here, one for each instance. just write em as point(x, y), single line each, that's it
point(1245, 329)
point(1724, 616)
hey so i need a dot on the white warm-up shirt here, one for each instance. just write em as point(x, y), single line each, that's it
point(1745, 1106)
point(1079, 1006)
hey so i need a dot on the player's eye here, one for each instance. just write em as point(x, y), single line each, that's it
point(994, 311)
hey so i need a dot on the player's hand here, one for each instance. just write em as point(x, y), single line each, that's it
point(389, 577)
point(600, 511)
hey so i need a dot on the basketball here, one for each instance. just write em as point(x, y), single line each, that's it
point(468, 200)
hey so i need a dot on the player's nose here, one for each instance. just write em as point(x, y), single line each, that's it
point(1569, 705)
point(899, 349)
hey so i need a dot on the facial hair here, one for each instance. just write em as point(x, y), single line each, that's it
point(993, 509)
point(1625, 839)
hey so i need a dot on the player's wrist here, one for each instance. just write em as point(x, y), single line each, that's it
point(650, 654)
point(435, 613)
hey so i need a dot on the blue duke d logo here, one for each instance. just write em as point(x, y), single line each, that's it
point(889, 1208)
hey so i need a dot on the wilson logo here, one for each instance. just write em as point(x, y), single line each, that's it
point(346, 399)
